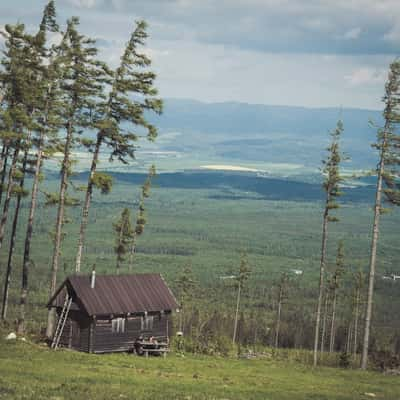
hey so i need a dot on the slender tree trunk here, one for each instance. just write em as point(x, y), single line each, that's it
point(2, 155)
point(121, 234)
point(86, 205)
point(181, 316)
point(51, 318)
point(132, 251)
point(278, 317)
point(4, 160)
point(28, 238)
point(321, 280)
point(356, 316)
point(236, 314)
point(349, 335)
point(324, 321)
point(374, 244)
point(333, 322)
point(7, 279)
point(8, 193)
point(255, 335)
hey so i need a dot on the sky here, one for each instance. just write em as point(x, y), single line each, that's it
point(312, 53)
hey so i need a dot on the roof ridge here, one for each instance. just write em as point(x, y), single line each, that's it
point(113, 275)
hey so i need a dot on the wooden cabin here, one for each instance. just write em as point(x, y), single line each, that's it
point(109, 313)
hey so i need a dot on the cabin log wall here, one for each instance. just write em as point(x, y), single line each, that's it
point(104, 340)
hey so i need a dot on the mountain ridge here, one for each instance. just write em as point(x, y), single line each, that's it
point(269, 133)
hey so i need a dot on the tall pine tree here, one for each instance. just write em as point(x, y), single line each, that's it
point(19, 192)
point(141, 214)
point(16, 113)
point(121, 119)
point(387, 174)
point(240, 280)
point(43, 90)
point(282, 294)
point(185, 285)
point(82, 79)
point(124, 233)
point(335, 284)
point(358, 285)
point(331, 187)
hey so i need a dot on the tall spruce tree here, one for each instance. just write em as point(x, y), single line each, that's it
point(391, 174)
point(19, 192)
point(358, 285)
point(240, 280)
point(17, 122)
point(5, 153)
point(327, 291)
point(335, 284)
point(131, 94)
point(44, 100)
point(124, 234)
point(20, 80)
point(282, 294)
point(185, 284)
point(331, 170)
point(141, 213)
point(387, 174)
point(82, 79)
point(16, 112)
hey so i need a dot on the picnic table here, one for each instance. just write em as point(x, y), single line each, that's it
point(152, 346)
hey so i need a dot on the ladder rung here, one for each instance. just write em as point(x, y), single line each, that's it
point(61, 322)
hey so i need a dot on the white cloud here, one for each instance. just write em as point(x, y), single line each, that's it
point(366, 76)
point(214, 73)
point(83, 3)
point(317, 24)
point(393, 35)
point(311, 53)
point(352, 34)
point(118, 4)
point(268, 25)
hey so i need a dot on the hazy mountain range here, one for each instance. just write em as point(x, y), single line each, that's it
point(238, 132)
point(282, 141)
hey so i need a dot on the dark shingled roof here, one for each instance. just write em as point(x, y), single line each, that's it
point(119, 294)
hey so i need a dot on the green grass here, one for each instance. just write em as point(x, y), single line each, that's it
point(31, 371)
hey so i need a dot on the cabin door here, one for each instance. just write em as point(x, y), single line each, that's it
point(75, 334)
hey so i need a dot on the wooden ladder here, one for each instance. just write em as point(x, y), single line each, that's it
point(61, 322)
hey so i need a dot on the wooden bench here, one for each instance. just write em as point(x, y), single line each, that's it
point(162, 351)
point(153, 347)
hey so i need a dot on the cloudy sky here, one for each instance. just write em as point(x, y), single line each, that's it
point(315, 53)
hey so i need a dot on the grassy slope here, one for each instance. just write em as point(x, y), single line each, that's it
point(29, 371)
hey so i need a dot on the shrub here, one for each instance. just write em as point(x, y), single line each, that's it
point(384, 360)
point(344, 360)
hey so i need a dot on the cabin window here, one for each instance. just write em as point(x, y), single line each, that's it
point(118, 325)
point(147, 323)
